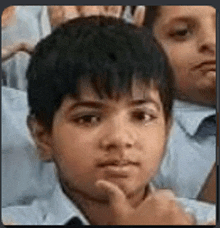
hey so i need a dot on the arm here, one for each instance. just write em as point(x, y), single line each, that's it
point(9, 51)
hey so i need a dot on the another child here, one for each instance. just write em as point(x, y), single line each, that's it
point(100, 98)
point(188, 36)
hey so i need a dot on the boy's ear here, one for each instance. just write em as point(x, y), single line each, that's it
point(41, 137)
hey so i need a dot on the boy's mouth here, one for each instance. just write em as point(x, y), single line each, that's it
point(118, 168)
point(207, 66)
point(118, 163)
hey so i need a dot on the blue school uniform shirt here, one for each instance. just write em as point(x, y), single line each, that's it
point(24, 176)
point(59, 210)
point(191, 150)
point(31, 25)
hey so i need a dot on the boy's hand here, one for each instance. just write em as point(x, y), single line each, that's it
point(159, 208)
point(9, 51)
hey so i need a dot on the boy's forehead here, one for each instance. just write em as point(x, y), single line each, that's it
point(168, 12)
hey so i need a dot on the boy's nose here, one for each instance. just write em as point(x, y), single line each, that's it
point(207, 40)
point(118, 136)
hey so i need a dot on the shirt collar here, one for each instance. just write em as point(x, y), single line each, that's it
point(190, 116)
point(62, 209)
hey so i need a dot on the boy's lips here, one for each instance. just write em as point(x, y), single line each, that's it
point(117, 162)
point(206, 65)
point(118, 168)
point(207, 68)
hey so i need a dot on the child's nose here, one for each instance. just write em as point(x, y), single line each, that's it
point(118, 136)
point(207, 40)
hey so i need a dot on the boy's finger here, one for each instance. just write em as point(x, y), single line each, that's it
point(139, 15)
point(114, 11)
point(117, 198)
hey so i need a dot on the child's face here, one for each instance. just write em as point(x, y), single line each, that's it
point(188, 35)
point(120, 141)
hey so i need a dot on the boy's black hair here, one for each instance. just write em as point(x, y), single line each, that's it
point(151, 15)
point(107, 51)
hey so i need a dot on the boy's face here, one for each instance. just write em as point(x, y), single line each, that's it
point(119, 141)
point(188, 35)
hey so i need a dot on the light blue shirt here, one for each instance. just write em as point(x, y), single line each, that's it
point(24, 176)
point(32, 24)
point(59, 209)
point(15, 71)
point(190, 156)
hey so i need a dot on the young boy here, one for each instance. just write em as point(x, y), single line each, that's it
point(100, 98)
point(188, 36)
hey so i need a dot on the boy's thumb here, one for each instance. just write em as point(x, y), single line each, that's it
point(117, 198)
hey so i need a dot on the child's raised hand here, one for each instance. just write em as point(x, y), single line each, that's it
point(60, 14)
point(159, 208)
point(9, 51)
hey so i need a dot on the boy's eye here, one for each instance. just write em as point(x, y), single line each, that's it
point(143, 116)
point(87, 120)
point(180, 34)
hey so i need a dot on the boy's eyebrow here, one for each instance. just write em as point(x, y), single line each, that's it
point(100, 104)
point(88, 104)
point(178, 18)
point(144, 101)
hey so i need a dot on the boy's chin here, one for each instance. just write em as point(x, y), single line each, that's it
point(93, 193)
point(130, 190)
point(206, 97)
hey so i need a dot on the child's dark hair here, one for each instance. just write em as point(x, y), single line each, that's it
point(107, 51)
point(151, 15)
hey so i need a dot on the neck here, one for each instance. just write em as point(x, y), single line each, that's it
point(98, 211)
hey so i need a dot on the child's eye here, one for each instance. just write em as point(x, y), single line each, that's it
point(180, 34)
point(143, 117)
point(87, 120)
